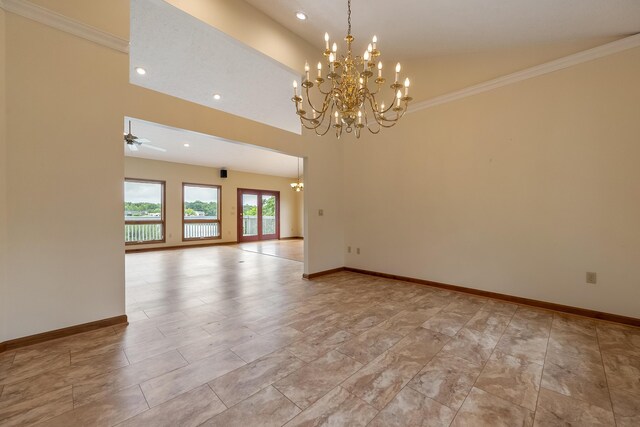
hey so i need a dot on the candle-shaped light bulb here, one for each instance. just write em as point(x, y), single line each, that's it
point(382, 109)
point(319, 69)
point(397, 71)
point(337, 120)
point(360, 117)
point(380, 69)
point(361, 81)
point(406, 86)
point(370, 48)
point(375, 41)
point(331, 59)
point(295, 88)
point(398, 96)
point(306, 69)
point(334, 48)
point(326, 40)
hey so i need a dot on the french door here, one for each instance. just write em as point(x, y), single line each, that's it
point(258, 215)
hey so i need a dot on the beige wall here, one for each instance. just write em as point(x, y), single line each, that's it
point(3, 184)
point(520, 190)
point(440, 75)
point(68, 97)
point(176, 173)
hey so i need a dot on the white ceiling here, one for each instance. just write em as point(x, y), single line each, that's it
point(421, 28)
point(206, 150)
point(191, 60)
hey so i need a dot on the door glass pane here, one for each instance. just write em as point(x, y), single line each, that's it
point(249, 215)
point(268, 214)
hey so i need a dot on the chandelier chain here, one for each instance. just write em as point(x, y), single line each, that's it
point(349, 17)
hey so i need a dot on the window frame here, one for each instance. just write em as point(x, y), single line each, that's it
point(162, 220)
point(202, 221)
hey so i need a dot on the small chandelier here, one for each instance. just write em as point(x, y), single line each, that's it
point(347, 98)
point(298, 186)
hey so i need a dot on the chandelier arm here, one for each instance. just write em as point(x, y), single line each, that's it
point(323, 133)
point(304, 120)
point(385, 122)
point(378, 88)
point(321, 91)
point(311, 105)
point(380, 120)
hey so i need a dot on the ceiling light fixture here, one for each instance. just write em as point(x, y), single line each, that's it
point(217, 96)
point(301, 16)
point(141, 71)
point(298, 186)
point(347, 99)
point(186, 144)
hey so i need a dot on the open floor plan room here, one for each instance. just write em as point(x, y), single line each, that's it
point(420, 213)
point(224, 336)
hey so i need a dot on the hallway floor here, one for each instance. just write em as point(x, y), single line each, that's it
point(225, 337)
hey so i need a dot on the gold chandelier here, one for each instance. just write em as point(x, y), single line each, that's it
point(347, 98)
point(298, 186)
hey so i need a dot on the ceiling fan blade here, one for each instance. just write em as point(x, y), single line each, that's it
point(153, 147)
point(145, 140)
point(132, 147)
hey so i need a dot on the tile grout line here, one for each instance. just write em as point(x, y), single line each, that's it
point(219, 398)
point(484, 365)
point(287, 397)
point(606, 378)
point(544, 364)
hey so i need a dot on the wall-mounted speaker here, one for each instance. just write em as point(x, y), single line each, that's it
point(223, 173)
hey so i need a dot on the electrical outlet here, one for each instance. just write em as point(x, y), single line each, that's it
point(592, 278)
point(348, 249)
point(358, 251)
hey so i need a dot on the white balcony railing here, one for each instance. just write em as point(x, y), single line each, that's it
point(201, 230)
point(250, 225)
point(134, 233)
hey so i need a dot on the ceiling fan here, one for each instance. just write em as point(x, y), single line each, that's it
point(133, 142)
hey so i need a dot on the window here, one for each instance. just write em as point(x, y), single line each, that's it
point(143, 211)
point(201, 212)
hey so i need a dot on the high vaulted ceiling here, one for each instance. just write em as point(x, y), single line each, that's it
point(422, 28)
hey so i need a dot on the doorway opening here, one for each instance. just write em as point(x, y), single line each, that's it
point(258, 215)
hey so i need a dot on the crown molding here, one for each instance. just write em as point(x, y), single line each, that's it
point(529, 73)
point(60, 22)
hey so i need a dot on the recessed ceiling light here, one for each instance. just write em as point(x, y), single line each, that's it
point(186, 144)
point(217, 96)
point(301, 16)
point(141, 71)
